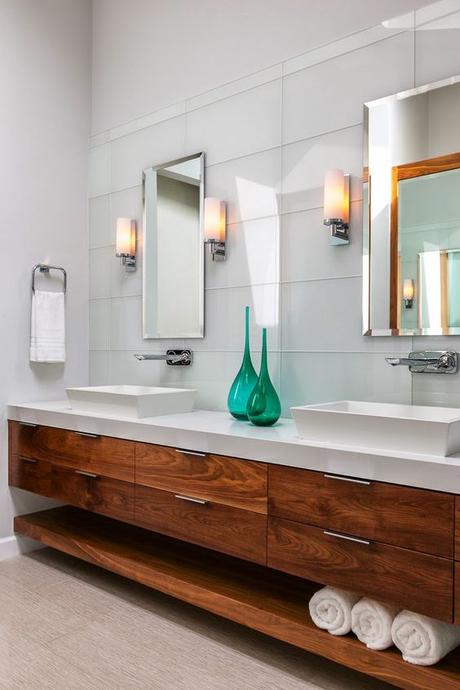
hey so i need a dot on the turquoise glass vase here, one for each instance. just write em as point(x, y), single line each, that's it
point(244, 382)
point(264, 407)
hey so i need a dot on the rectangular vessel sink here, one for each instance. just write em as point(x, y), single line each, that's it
point(131, 401)
point(381, 426)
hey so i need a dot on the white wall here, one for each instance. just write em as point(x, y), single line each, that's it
point(45, 48)
point(150, 53)
point(268, 138)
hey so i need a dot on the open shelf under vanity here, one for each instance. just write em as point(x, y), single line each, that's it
point(255, 596)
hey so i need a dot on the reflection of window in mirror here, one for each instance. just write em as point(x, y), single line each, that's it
point(411, 209)
point(426, 245)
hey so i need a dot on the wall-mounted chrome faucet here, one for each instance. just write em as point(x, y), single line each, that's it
point(428, 362)
point(172, 357)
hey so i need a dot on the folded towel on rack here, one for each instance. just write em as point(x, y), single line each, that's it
point(371, 622)
point(423, 641)
point(330, 609)
point(47, 328)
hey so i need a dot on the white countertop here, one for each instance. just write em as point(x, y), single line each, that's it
point(218, 432)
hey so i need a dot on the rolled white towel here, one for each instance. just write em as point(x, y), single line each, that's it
point(423, 641)
point(371, 622)
point(330, 609)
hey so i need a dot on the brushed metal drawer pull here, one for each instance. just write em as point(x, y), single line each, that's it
point(192, 500)
point(365, 482)
point(191, 452)
point(86, 474)
point(347, 538)
point(29, 424)
point(87, 435)
point(31, 460)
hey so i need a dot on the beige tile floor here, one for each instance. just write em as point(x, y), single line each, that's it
point(65, 624)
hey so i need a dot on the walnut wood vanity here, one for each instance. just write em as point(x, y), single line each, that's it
point(245, 539)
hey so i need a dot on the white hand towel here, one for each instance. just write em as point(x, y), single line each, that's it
point(371, 622)
point(423, 641)
point(47, 328)
point(330, 609)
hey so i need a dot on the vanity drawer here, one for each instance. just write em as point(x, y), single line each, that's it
point(95, 493)
point(229, 530)
point(31, 475)
point(110, 457)
point(412, 580)
point(457, 593)
point(402, 516)
point(233, 482)
point(457, 528)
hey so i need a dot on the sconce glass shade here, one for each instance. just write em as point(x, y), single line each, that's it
point(408, 288)
point(214, 220)
point(408, 292)
point(336, 196)
point(126, 237)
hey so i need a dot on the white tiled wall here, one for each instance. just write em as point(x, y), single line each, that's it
point(268, 139)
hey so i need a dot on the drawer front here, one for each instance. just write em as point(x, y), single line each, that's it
point(31, 475)
point(236, 532)
point(457, 593)
point(457, 528)
point(110, 457)
point(412, 580)
point(233, 482)
point(402, 516)
point(95, 493)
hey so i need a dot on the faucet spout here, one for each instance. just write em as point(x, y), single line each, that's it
point(427, 362)
point(172, 357)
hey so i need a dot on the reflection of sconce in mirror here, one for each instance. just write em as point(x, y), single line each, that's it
point(126, 242)
point(337, 205)
point(408, 293)
point(215, 222)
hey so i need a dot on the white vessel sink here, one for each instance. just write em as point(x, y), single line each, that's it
point(381, 426)
point(131, 401)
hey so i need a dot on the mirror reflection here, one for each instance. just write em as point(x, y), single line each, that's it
point(173, 276)
point(412, 212)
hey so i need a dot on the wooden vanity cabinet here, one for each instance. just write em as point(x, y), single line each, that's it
point(217, 526)
point(457, 560)
point(79, 488)
point(404, 516)
point(216, 478)
point(101, 455)
point(301, 529)
point(213, 501)
point(411, 580)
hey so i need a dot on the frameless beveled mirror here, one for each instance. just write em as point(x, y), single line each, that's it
point(173, 249)
point(411, 203)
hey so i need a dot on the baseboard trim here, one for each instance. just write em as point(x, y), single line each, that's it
point(13, 546)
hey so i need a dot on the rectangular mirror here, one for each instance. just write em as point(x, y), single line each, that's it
point(173, 249)
point(411, 203)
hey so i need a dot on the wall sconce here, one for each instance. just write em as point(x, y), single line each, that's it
point(337, 205)
point(215, 225)
point(408, 293)
point(126, 242)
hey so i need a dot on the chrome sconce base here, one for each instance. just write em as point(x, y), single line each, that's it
point(216, 250)
point(129, 262)
point(408, 303)
point(340, 231)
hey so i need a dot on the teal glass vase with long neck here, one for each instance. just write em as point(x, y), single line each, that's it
point(264, 407)
point(244, 382)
